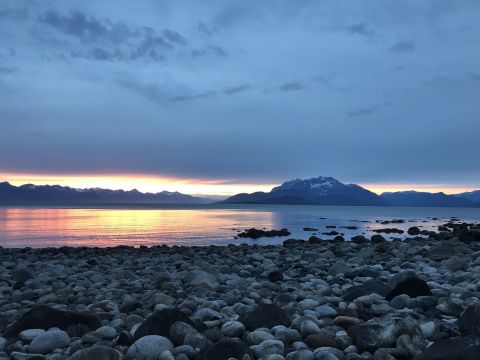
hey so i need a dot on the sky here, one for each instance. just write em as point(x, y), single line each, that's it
point(224, 96)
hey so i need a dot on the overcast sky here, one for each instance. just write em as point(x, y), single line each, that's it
point(247, 91)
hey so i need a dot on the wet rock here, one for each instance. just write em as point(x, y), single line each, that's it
point(458, 348)
point(412, 287)
point(257, 233)
point(22, 275)
point(469, 322)
point(264, 316)
point(367, 288)
point(377, 239)
point(359, 239)
point(275, 276)
point(414, 231)
point(160, 322)
point(30, 334)
point(227, 349)
point(268, 347)
point(45, 317)
point(381, 333)
point(320, 340)
point(455, 263)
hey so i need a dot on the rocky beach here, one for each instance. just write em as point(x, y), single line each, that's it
point(368, 298)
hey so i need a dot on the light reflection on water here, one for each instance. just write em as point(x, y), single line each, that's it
point(200, 225)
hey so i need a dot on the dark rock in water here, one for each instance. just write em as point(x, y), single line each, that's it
point(331, 233)
point(413, 231)
point(412, 286)
point(359, 239)
point(382, 333)
point(97, 353)
point(275, 276)
point(350, 227)
point(257, 233)
point(309, 229)
point(21, 274)
point(45, 317)
point(367, 288)
point(264, 315)
point(159, 323)
point(457, 348)
point(330, 226)
point(314, 240)
point(227, 349)
point(389, 231)
point(338, 238)
point(377, 239)
point(469, 322)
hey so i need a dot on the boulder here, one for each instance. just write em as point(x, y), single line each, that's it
point(227, 349)
point(382, 333)
point(412, 286)
point(414, 231)
point(97, 353)
point(49, 341)
point(45, 317)
point(149, 347)
point(458, 348)
point(469, 322)
point(264, 316)
point(159, 323)
point(367, 288)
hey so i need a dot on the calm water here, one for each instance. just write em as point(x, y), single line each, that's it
point(201, 225)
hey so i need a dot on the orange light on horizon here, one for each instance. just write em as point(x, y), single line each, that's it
point(433, 188)
point(143, 183)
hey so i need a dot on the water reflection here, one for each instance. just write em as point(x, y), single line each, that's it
point(41, 227)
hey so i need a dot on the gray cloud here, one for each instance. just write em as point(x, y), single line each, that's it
point(292, 86)
point(361, 29)
point(190, 89)
point(237, 89)
point(8, 69)
point(210, 50)
point(402, 47)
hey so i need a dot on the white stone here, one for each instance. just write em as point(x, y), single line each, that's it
point(149, 347)
point(106, 332)
point(233, 329)
point(49, 341)
point(30, 334)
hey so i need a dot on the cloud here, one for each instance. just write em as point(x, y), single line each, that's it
point(442, 81)
point(236, 89)
point(402, 47)
point(206, 29)
point(210, 50)
point(8, 69)
point(363, 111)
point(292, 86)
point(112, 41)
point(361, 29)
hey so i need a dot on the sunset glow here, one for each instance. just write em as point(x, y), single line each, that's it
point(143, 183)
point(205, 187)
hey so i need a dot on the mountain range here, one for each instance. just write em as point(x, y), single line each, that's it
point(329, 191)
point(56, 194)
point(315, 191)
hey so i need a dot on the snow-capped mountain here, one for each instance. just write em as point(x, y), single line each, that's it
point(321, 190)
point(55, 194)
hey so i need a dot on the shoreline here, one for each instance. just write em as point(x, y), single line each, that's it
point(300, 300)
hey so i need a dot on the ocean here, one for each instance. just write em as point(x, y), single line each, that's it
point(205, 224)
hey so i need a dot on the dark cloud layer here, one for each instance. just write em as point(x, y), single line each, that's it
point(242, 90)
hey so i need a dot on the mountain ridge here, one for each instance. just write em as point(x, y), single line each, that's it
point(325, 190)
point(56, 194)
